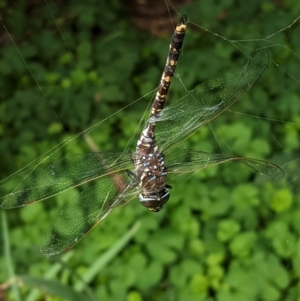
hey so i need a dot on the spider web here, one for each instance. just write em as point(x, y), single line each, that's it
point(280, 44)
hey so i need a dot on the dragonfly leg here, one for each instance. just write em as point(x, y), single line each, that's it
point(132, 177)
point(168, 186)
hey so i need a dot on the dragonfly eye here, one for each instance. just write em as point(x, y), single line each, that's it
point(155, 201)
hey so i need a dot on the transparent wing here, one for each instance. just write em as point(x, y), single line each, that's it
point(186, 115)
point(44, 181)
point(84, 212)
point(184, 161)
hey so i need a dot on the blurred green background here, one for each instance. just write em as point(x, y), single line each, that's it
point(226, 233)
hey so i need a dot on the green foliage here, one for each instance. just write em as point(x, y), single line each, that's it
point(226, 234)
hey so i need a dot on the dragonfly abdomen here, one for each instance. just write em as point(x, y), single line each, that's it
point(147, 137)
point(169, 70)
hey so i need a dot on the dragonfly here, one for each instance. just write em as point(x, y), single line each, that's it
point(119, 177)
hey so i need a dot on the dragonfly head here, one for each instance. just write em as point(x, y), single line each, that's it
point(155, 201)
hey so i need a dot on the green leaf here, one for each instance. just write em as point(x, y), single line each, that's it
point(8, 257)
point(54, 288)
point(242, 244)
point(227, 229)
point(104, 259)
point(199, 284)
point(283, 241)
point(270, 293)
point(215, 259)
point(134, 296)
point(282, 200)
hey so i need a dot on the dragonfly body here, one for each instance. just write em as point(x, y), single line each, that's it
point(151, 172)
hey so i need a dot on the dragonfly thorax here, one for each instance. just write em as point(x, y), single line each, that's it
point(151, 174)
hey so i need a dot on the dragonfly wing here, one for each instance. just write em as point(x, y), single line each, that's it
point(44, 181)
point(186, 115)
point(84, 212)
point(184, 161)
